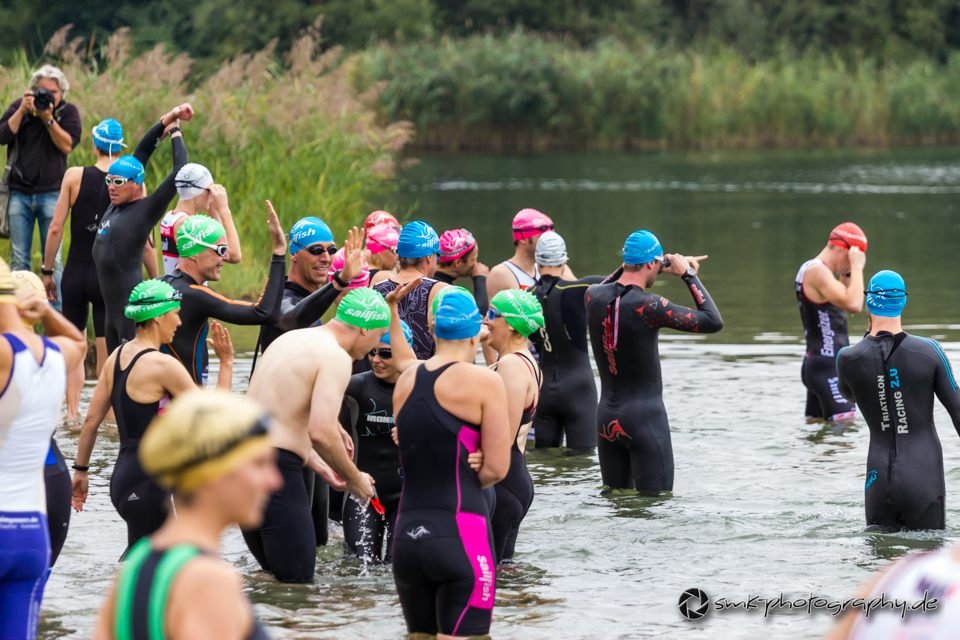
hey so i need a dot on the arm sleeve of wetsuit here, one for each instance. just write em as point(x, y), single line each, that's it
point(168, 188)
point(660, 312)
point(945, 386)
point(843, 361)
point(480, 294)
point(263, 311)
point(148, 144)
point(308, 310)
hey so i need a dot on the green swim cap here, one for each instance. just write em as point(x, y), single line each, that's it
point(196, 233)
point(520, 309)
point(365, 309)
point(151, 299)
point(444, 291)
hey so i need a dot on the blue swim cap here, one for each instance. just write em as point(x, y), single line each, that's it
point(886, 294)
point(308, 231)
point(417, 240)
point(108, 136)
point(127, 167)
point(457, 317)
point(641, 247)
point(407, 334)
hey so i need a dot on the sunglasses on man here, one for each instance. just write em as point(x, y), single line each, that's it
point(385, 353)
point(319, 249)
point(115, 181)
point(219, 249)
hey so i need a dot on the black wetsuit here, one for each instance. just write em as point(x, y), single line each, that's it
point(825, 331)
point(285, 543)
point(443, 563)
point(368, 415)
point(413, 310)
point(634, 444)
point(893, 380)
point(568, 399)
point(200, 303)
point(300, 309)
point(479, 289)
point(59, 492)
point(80, 288)
point(515, 491)
point(121, 236)
point(141, 503)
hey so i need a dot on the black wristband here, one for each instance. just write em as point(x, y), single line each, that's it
point(46, 272)
point(336, 278)
point(173, 130)
point(81, 467)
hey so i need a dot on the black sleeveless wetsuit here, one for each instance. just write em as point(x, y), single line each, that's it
point(413, 309)
point(141, 503)
point(80, 288)
point(568, 399)
point(479, 289)
point(121, 236)
point(515, 491)
point(634, 444)
point(893, 380)
point(443, 564)
point(368, 415)
point(59, 492)
point(825, 332)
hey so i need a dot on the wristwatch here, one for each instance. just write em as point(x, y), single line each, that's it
point(49, 122)
point(689, 273)
point(339, 281)
point(46, 272)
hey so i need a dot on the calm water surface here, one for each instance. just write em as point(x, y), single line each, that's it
point(763, 503)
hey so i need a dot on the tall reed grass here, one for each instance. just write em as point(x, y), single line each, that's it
point(529, 92)
point(295, 132)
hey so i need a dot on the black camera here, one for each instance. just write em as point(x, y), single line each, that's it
point(42, 99)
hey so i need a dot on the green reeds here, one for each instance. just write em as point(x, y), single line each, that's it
point(296, 133)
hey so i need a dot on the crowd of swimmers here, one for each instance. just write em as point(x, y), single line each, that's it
point(380, 418)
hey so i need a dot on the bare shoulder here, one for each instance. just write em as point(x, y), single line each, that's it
point(72, 176)
point(210, 573)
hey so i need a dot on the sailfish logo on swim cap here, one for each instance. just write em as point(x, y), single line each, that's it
point(308, 231)
point(886, 294)
point(417, 240)
point(364, 309)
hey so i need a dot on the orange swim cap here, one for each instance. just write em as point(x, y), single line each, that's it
point(848, 234)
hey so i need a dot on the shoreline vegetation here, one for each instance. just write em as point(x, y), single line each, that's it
point(528, 93)
point(291, 129)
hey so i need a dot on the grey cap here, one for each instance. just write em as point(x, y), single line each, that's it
point(192, 180)
point(551, 250)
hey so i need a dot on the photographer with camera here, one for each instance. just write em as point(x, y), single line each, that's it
point(40, 130)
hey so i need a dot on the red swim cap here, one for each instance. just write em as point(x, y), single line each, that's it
point(848, 235)
point(380, 217)
point(529, 223)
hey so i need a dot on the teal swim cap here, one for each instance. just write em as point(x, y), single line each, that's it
point(641, 247)
point(127, 167)
point(196, 233)
point(308, 231)
point(407, 334)
point(365, 309)
point(444, 291)
point(108, 136)
point(457, 317)
point(417, 240)
point(886, 294)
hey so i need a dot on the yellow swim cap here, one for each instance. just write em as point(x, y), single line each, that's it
point(7, 288)
point(202, 435)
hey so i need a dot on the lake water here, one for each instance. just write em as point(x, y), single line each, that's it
point(763, 503)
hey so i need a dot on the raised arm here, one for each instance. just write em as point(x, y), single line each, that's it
point(849, 296)
point(220, 210)
point(403, 354)
point(157, 202)
point(71, 342)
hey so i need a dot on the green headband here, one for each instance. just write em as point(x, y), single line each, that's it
point(520, 309)
point(196, 233)
point(151, 299)
point(365, 309)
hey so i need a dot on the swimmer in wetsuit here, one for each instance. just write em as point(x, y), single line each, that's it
point(197, 192)
point(212, 451)
point(200, 241)
point(893, 377)
point(32, 384)
point(136, 380)
point(568, 399)
point(513, 317)
point(624, 319)
point(417, 247)
point(301, 380)
point(129, 220)
point(444, 566)
point(827, 287)
point(460, 258)
point(368, 415)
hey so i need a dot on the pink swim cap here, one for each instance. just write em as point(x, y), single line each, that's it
point(382, 237)
point(529, 223)
point(456, 243)
point(361, 280)
point(377, 218)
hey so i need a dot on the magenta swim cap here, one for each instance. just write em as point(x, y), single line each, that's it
point(456, 243)
point(361, 280)
point(382, 237)
point(377, 218)
point(529, 223)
